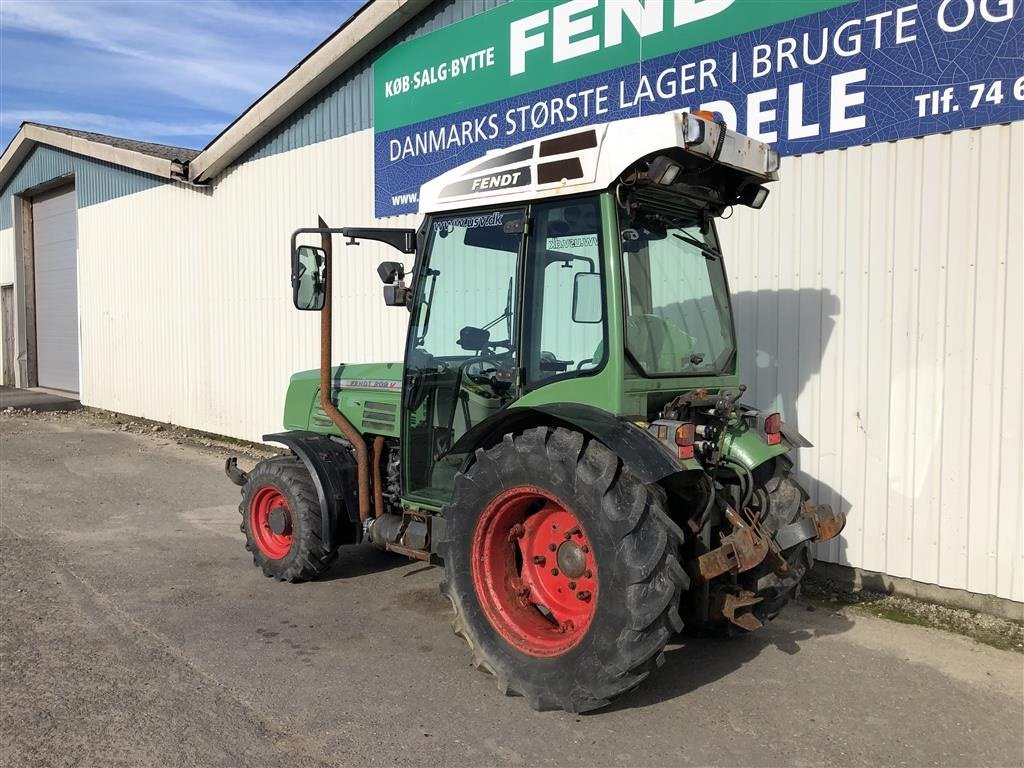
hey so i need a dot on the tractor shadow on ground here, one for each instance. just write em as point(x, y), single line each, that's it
point(356, 560)
point(692, 663)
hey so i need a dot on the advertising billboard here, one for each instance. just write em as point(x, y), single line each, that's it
point(805, 75)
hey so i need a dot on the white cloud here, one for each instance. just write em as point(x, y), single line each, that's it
point(212, 54)
point(109, 124)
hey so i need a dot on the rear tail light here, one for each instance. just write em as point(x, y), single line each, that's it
point(684, 440)
point(773, 428)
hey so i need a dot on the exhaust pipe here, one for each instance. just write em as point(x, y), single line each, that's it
point(350, 432)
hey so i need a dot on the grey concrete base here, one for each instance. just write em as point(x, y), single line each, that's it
point(857, 580)
point(37, 399)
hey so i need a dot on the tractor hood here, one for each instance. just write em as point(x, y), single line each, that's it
point(368, 394)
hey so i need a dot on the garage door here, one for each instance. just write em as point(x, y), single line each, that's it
point(54, 239)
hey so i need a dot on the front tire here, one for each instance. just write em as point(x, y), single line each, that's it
point(562, 569)
point(281, 521)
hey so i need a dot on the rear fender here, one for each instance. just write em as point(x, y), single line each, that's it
point(645, 457)
point(332, 467)
point(750, 448)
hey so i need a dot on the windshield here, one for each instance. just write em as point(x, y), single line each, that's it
point(678, 319)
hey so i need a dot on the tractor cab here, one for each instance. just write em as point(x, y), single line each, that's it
point(562, 272)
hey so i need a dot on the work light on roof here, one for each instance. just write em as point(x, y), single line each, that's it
point(663, 170)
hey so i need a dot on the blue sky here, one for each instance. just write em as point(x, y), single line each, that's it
point(170, 72)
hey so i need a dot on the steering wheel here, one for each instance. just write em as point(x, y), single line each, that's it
point(477, 367)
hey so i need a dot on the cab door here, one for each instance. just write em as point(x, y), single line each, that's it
point(461, 362)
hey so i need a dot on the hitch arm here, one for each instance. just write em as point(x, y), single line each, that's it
point(740, 551)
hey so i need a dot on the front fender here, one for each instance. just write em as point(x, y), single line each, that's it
point(645, 457)
point(333, 470)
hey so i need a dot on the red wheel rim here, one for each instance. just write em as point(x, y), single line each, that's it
point(534, 571)
point(267, 512)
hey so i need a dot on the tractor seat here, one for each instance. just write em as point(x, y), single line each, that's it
point(657, 344)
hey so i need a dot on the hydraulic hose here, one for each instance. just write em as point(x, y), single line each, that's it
point(712, 494)
point(746, 479)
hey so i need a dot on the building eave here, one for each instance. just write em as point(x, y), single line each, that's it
point(30, 135)
point(369, 27)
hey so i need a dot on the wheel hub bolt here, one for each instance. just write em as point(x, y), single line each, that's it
point(585, 548)
point(583, 594)
point(588, 574)
point(552, 547)
point(554, 571)
point(539, 559)
point(572, 585)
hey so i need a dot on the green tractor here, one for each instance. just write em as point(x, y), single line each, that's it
point(565, 434)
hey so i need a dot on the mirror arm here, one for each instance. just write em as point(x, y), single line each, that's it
point(403, 240)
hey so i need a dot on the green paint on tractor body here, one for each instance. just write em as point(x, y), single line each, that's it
point(620, 363)
point(368, 394)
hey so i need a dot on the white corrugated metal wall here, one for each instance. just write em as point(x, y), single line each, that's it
point(201, 331)
point(7, 270)
point(877, 300)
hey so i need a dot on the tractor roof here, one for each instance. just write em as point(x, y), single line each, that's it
point(591, 159)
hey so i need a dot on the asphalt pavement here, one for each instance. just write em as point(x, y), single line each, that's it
point(135, 631)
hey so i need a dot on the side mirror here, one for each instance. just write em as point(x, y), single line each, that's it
point(390, 272)
point(586, 298)
point(308, 287)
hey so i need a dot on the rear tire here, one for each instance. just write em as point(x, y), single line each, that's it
point(576, 506)
point(785, 498)
point(281, 521)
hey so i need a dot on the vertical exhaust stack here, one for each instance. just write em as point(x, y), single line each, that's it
point(343, 424)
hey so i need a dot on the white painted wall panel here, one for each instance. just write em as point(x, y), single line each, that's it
point(7, 272)
point(201, 330)
point(877, 300)
point(7, 263)
point(878, 307)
